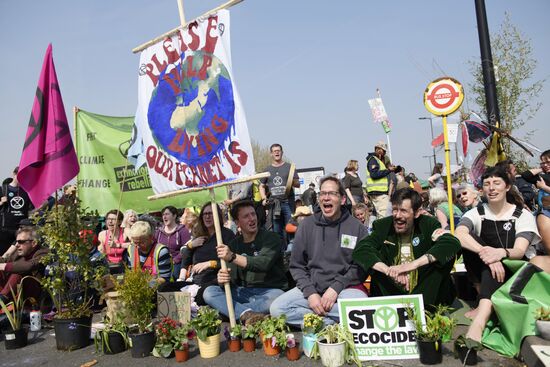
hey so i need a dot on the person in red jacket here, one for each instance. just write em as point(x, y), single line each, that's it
point(24, 261)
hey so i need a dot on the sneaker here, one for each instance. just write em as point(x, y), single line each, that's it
point(251, 317)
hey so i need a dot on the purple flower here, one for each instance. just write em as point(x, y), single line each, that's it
point(72, 326)
point(226, 333)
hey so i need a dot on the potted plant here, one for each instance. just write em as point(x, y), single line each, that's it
point(250, 332)
point(291, 348)
point(233, 337)
point(429, 336)
point(17, 336)
point(113, 338)
point(165, 334)
point(335, 346)
point(207, 326)
point(273, 334)
point(137, 293)
point(542, 317)
point(70, 278)
point(466, 350)
point(311, 325)
point(181, 342)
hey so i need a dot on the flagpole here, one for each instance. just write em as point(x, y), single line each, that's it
point(75, 112)
point(387, 134)
point(448, 172)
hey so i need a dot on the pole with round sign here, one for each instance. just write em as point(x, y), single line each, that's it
point(442, 97)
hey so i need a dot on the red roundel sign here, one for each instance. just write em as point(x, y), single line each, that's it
point(443, 96)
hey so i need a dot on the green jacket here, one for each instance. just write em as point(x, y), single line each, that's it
point(434, 280)
point(264, 268)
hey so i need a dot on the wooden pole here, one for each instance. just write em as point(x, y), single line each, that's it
point(175, 30)
point(448, 171)
point(181, 12)
point(219, 241)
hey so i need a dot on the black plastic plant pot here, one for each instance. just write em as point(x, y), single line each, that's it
point(71, 334)
point(16, 339)
point(430, 352)
point(142, 344)
point(115, 342)
point(469, 359)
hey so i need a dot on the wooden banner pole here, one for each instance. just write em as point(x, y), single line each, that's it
point(219, 241)
point(181, 12)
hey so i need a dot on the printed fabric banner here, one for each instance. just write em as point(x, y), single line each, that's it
point(191, 126)
point(102, 143)
point(379, 114)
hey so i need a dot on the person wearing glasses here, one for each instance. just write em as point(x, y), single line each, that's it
point(468, 196)
point(321, 262)
point(24, 261)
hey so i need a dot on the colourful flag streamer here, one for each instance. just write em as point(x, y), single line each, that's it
point(48, 160)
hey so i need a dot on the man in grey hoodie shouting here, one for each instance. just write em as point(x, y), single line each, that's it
point(321, 262)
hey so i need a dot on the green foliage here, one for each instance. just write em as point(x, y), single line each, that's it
point(542, 314)
point(137, 293)
point(333, 334)
point(262, 156)
point(250, 331)
point(117, 325)
point(69, 252)
point(165, 332)
point(270, 326)
point(207, 322)
point(463, 342)
point(517, 93)
point(437, 324)
point(312, 324)
point(14, 309)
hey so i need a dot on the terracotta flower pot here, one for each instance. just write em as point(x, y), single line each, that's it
point(293, 354)
point(182, 355)
point(234, 345)
point(269, 350)
point(249, 345)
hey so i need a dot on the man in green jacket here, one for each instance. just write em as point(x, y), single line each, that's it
point(255, 268)
point(409, 253)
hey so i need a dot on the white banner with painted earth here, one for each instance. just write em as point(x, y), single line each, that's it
point(190, 124)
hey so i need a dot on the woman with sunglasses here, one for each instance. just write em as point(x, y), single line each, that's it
point(499, 229)
point(468, 196)
point(200, 253)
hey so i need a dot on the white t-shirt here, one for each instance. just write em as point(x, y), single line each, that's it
point(525, 225)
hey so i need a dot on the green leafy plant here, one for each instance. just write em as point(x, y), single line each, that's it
point(437, 326)
point(336, 333)
point(542, 314)
point(312, 323)
point(62, 232)
point(14, 309)
point(464, 342)
point(118, 326)
point(250, 331)
point(207, 322)
point(272, 325)
point(165, 331)
point(234, 332)
point(182, 335)
point(137, 293)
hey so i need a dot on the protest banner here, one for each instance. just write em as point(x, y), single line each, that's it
point(48, 160)
point(379, 326)
point(379, 115)
point(102, 143)
point(176, 305)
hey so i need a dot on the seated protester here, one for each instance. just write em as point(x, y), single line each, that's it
point(172, 235)
point(147, 254)
point(439, 203)
point(255, 268)
point(200, 254)
point(24, 261)
point(363, 213)
point(409, 253)
point(321, 262)
point(468, 196)
point(499, 229)
point(112, 241)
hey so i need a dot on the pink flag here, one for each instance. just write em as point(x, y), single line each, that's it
point(48, 160)
point(438, 141)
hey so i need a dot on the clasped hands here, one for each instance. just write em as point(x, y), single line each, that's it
point(491, 256)
point(400, 274)
point(322, 305)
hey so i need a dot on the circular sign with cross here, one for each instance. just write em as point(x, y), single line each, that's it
point(443, 96)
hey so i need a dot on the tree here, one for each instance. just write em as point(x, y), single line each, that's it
point(262, 157)
point(516, 91)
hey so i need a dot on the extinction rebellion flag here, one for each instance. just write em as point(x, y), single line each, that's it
point(191, 127)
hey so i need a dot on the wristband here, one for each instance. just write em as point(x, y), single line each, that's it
point(233, 257)
point(213, 264)
point(189, 244)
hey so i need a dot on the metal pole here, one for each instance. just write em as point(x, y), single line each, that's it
point(487, 67)
point(432, 132)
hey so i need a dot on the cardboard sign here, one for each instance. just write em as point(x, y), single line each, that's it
point(176, 305)
point(380, 326)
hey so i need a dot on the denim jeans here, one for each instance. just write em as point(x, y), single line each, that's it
point(280, 222)
point(294, 305)
point(244, 299)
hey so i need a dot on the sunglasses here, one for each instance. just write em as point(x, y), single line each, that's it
point(462, 194)
point(21, 242)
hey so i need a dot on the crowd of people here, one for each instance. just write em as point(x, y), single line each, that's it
point(293, 256)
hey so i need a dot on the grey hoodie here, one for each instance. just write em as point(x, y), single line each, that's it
point(321, 256)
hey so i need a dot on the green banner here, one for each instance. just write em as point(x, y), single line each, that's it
point(101, 145)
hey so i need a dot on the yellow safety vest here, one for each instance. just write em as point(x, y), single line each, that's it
point(379, 184)
point(256, 191)
point(134, 259)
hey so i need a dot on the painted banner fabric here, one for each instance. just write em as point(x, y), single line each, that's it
point(102, 143)
point(191, 126)
point(48, 160)
point(379, 114)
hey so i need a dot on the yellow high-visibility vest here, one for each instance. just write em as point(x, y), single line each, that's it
point(379, 184)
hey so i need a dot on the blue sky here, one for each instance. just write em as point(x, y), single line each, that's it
point(304, 69)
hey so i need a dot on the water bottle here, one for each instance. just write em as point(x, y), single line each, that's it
point(36, 319)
